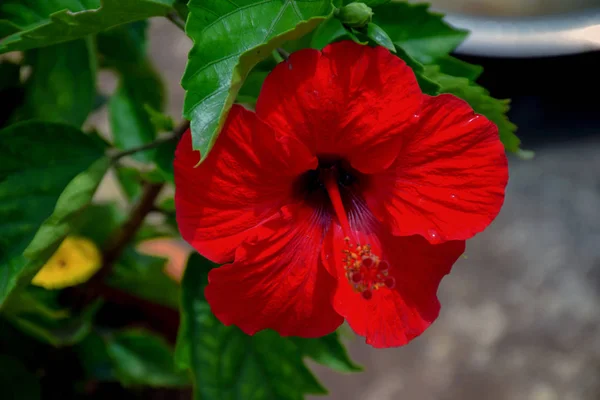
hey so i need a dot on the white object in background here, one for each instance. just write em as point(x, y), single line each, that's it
point(530, 37)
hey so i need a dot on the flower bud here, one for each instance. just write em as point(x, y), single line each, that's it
point(355, 15)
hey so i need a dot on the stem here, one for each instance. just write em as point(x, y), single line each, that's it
point(147, 146)
point(126, 233)
point(175, 135)
point(283, 53)
point(176, 20)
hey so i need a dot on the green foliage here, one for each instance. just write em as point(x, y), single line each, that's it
point(31, 312)
point(40, 23)
point(419, 32)
point(124, 50)
point(161, 122)
point(129, 180)
point(380, 37)
point(164, 156)
point(453, 66)
point(427, 85)
point(95, 359)
point(228, 364)
point(62, 86)
point(144, 277)
point(328, 351)
point(131, 356)
point(135, 273)
point(219, 62)
point(142, 358)
point(10, 88)
point(9, 74)
point(16, 382)
point(49, 172)
point(331, 30)
point(88, 226)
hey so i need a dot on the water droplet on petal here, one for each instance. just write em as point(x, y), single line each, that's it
point(453, 196)
point(433, 234)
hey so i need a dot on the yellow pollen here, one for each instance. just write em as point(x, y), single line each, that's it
point(365, 270)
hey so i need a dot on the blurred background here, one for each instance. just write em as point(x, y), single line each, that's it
point(521, 311)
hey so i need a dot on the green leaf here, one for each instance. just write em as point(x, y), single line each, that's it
point(142, 358)
point(328, 351)
point(130, 124)
point(161, 122)
point(57, 327)
point(167, 204)
point(331, 30)
point(135, 273)
point(88, 226)
point(7, 28)
point(370, 3)
point(228, 364)
point(9, 74)
point(481, 101)
point(95, 359)
point(48, 173)
point(62, 86)
point(357, 36)
point(253, 84)
point(36, 300)
point(164, 157)
point(42, 23)
point(10, 88)
point(16, 381)
point(230, 39)
point(380, 37)
point(427, 85)
point(421, 33)
point(129, 179)
point(181, 8)
point(144, 276)
point(453, 66)
point(140, 87)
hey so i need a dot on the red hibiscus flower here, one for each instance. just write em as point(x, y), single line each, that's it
point(347, 195)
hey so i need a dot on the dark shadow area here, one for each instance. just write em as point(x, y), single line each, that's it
point(554, 99)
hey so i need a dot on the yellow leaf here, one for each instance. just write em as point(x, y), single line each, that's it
point(76, 260)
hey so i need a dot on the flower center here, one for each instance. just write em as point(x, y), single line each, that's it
point(365, 271)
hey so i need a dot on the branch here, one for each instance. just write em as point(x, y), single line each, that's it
point(126, 233)
point(95, 287)
point(175, 135)
point(85, 294)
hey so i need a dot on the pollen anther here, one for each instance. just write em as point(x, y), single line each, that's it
point(365, 271)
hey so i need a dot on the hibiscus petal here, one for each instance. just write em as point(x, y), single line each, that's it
point(277, 280)
point(246, 178)
point(392, 317)
point(449, 179)
point(348, 101)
